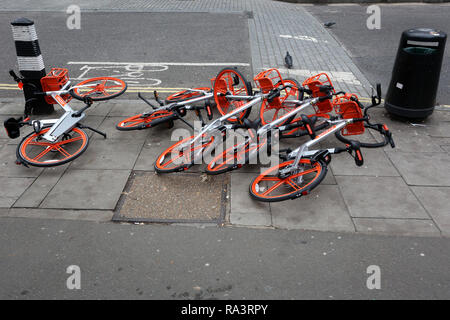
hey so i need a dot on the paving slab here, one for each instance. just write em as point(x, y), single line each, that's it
point(404, 227)
point(6, 202)
point(323, 209)
point(442, 130)
point(148, 155)
point(108, 126)
point(412, 133)
point(100, 108)
point(9, 168)
point(423, 169)
point(36, 193)
point(380, 197)
point(12, 108)
point(87, 189)
point(436, 202)
point(88, 215)
point(109, 154)
point(376, 163)
point(93, 122)
point(412, 140)
point(128, 108)
point(244, 209)
point(11, 189)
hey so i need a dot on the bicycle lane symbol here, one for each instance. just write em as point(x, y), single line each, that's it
point(135, 74)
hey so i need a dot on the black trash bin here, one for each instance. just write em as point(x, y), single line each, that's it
point(415, 77)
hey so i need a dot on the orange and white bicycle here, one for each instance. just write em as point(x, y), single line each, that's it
point(55, 142)
point(304, 169)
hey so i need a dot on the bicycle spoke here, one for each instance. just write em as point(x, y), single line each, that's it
point(275, 186)
point(70, 140)
point(43, 153)
point(292, 184)
point(270, 179)
point(37, 143)
point(275, 115)
point(63, 151)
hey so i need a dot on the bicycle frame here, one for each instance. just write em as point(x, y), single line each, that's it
point(274, 124)
point(216, 124)
point(67, 121)
point(303, 150)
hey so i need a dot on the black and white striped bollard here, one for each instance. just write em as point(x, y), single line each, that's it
point(31, 64)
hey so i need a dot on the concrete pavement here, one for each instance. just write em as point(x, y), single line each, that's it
point(387, 195)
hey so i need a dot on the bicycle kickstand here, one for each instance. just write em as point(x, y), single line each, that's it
point(94, 130)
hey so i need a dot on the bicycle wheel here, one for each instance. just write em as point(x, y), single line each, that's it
point(233, 158)
point(34, 150)
point(173, 159)
point(376, 144)
point(100, 88)
point(269, 187)
point(268, 113)
point(186, 95)
point(231, 81)
point(139, 121)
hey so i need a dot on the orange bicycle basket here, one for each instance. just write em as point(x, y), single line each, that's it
point(313, 84)
point(268, 80)
point(54, 81)
point(349, 109)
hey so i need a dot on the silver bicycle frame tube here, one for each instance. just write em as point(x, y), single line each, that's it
point(218, 121)
point(274, 123)
point(300, 151)
point(66, 122)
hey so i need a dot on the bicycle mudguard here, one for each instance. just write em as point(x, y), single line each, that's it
point(12, 127)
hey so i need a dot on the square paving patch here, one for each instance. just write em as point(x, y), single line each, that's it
point(380, 197)
point(435, 201)
point(423, 169)
point(173, 198)
point(376, 163)
point(87, 189)
point(244, 209)
point(323, 209)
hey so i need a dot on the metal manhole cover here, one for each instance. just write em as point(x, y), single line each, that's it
point(171, 198)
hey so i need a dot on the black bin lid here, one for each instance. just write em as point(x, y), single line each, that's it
point(425, 35)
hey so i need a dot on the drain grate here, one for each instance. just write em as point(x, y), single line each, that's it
point(173, 198)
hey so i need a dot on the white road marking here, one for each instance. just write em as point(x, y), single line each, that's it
point(301, 37)
point(339, 76)
point(136, 73)
point(190, 64)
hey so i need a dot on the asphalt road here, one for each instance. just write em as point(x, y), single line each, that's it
point(184, 262)
point(127, 45)
point(374, 51)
